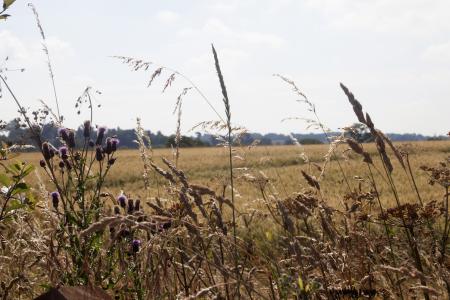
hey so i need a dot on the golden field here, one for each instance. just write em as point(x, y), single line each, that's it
point(282, 164)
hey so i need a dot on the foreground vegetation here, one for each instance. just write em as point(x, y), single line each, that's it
point(368, 220)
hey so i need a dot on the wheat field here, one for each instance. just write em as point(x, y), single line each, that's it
point(282, 164)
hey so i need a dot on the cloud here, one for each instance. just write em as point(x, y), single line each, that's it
point(24, 52)
point(220, 31)
point(13, 47)
point(438, 53)
point(412, 17)
point(167, 16)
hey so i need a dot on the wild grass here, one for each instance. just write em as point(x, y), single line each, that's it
point(291, 222)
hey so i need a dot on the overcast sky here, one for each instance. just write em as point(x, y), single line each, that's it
point(393, 54)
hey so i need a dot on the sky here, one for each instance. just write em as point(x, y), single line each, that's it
point(394, 55)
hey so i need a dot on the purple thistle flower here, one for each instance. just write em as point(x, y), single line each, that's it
point(63, 152)
point(135, 245)
point(122, 199)
point(55, 199)
point(114, 143)
point(64, 134)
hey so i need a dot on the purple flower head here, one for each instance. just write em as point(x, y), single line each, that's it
point(64, 134)
point(135, 245)
point(122, 199)
point(55, 199)
point(63, 152)
point(87, 129)
point(114, 143)
point(100, 135)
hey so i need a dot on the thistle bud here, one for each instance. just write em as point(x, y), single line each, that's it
point(137, 205)
point(116, 210)
point(100, 135)
point(87, 129)
point(55, 199)
point(111, 161)
point(71, 140)
point(130, 206)
point(108, 148)
point(91, 143)
point(135, 245)
point(46, 151)
point(114, 144)
point(122, 199)
point(61, 164)
point(42, 163)
point(99, 153)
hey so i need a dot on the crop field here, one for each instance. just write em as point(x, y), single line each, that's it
point(282, 164)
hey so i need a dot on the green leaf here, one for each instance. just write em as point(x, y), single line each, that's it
point(5, 180)
point(7, 3)
point(20, 188)
point(27, 170)
point(15, 204)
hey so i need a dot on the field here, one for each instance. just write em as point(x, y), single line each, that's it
point(344, 220)
point(282, 164)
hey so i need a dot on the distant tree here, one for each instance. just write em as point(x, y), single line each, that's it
point(185, 142)
point(361, 133)
point(310, 142)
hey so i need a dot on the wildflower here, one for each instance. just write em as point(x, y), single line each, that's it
point(99, 153)
point(46, 151)
point(108, 148)
point(130, 206)
point(100, 135)
point(87, 129)
point(63, 153)
point(137, 204)
point(114, 143)
point(55, 199)
point(135, 245)
point(71, 140)
point(64, 134)
point(122, 199)
point(42, 163)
